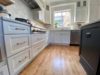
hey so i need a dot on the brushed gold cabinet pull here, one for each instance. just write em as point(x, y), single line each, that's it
point(21, 43)
point(19, 29)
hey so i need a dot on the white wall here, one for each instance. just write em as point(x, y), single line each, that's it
point(19, 9)
point(94, 10)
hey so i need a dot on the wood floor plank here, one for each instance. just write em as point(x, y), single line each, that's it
point(56, 60)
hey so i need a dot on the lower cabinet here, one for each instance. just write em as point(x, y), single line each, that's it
point(18, 62)
point(4, 70)
point(37, 48)
point(59, 37)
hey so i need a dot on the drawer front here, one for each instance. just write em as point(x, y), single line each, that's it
point(14, 28)
point(18, 62)
point(37, 48)
point(37, 37)
point(16, 43)
point(4, 70)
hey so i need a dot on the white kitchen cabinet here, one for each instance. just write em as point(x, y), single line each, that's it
point(37, 48)
point(21, 46)
point(15, 28)
point(16, 43)
point(38, 37)
point(18, 62)
point(4, 70)
point(42, 15)
point(59, 37)
point(38, 42)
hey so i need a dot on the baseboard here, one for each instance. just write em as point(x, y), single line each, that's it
point(86, 66)
point(59, 44)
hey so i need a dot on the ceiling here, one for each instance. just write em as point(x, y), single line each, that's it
point(55, 2)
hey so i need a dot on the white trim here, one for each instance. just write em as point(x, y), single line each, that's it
point(59, 5)
point(75, 7)
point(88, 20)
point(50, 16)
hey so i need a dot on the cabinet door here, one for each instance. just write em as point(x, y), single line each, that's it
point(4, 70)
point(90, 48)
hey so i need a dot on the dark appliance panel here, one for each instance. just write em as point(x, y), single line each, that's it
point(75, 37)
point(90, 48)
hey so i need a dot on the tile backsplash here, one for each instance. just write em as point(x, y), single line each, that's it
point(20, 9)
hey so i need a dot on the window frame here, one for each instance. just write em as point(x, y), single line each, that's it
point(61, 11)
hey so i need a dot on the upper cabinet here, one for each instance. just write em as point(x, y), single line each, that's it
point(82, 11)
point(44, 13)
point(6, 2)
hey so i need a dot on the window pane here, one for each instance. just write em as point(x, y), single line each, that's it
point(57, 14)
point(62, 18)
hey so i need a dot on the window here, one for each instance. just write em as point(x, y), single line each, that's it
point(62, 19)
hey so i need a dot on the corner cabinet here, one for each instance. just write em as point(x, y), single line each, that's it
point(4, 70)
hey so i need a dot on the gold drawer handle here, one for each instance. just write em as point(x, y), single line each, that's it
point(21, 43)
point(19, 29)
point(20, 61)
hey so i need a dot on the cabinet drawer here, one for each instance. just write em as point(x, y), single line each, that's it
point(18, 62)
point(37, 37)
point(37, 48)
point(4, 70)
point(14, 28)
point(16, 43)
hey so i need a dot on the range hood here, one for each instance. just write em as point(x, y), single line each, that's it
point(32, 4)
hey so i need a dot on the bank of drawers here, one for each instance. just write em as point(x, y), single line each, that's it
point(21, 46)
point(17, 44)
point(37, 48)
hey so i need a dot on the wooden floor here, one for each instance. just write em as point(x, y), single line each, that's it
point(56, 60)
